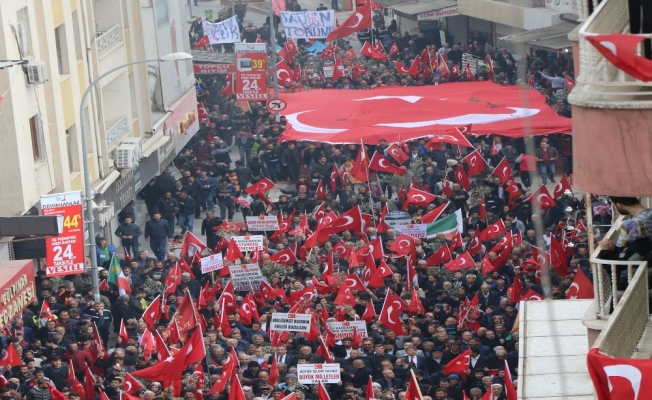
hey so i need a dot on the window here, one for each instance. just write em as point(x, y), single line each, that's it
point(71, 145)
point(162, 17)
point(38, 138)
point(24, 39)
point(78, 38)
point(62, 49)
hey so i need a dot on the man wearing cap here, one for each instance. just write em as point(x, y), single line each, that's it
point(290, 385)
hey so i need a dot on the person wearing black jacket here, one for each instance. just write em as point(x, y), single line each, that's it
point(208, 226)
point(186, 214)
point(121, 311)
point(129, 233)
point(57, 372)
point(258, 207)
point(168, 207)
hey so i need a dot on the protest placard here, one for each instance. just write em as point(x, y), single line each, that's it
point(311, 374)
point(249, 243)
point(308, 24)
point(344, 329)
point(262, 223)
point(226, 31)
point(417, 231)
point(290, 322)
point(245, 277)
point(211, 263)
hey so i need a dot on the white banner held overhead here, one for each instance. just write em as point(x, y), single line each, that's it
point(211, 263)
point(344, 329)
point(245, 277)
point(262, 223)
point(226, 31)
point(249, 243)
point(308, 24)
point(290, 322)
point(311, 374)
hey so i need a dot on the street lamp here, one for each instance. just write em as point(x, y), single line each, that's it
point(87, 177)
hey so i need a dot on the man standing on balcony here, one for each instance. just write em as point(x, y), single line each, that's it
point(546, 157)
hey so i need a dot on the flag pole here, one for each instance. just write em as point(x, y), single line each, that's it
point(371, 199)
point(414, 379)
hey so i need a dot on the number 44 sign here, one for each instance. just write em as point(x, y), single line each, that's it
point(65, 252)
point(251, 71)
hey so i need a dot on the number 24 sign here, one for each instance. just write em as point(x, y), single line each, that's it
point(65, 252)
point(251, 71)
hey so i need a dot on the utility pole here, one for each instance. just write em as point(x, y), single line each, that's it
point(272, 42)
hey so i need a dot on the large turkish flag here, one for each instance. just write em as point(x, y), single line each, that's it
point(397, 113)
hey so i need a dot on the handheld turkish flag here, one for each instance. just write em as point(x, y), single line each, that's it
point(441, 255)
point(389, 316)
point(147, 343)
point(475, 246)
point(89, 383)
point(532, 295)
point(225, 326)
point(236, 392)
point(379, 46)
point(227, 88)
point(462, 178)
point(285, 257)
point(11, 357)
point(415, 68)
point(619, 378)
point(504, 241)
point(227, 373)
point(443, 67)
point(323, 351)
point(369, 51)
point(282, 68)
point(322, 393)
point(562, 186)
point(359, 20)
point(328, 52)
point(173, 279)
point(468, 73)
point(378, 279)
point(380, 163)
point(349, 54)
point(510, 391)
point(490, 65)
point(233, 252)
point(204, 41)
point(413, 392)
point(78, 388)
point(403, 244)
point(493, 230)
point(463, 261)
point(273, 372)
point(127, 256)
point(558, 257)
point(459, 364)
point(503, 171)
point(195, 348)
point(581, 288)
point(192, 246)
point(394, 49)
point(369, 313)
point(570, 84)
point(433, 214)
point(453, 136)
point(360, 170)
point(228, 295)
point(476, 163)
point(353, 282)
point(46, 312)
point(416, 306)
point(620, 50)
point(185, 316)
point(396, 153)
point(419, 197)
point(162, 351)
point(344, 296)
point(123, 336)
point(350, 220)
point(541, 198)
point(152, 313)
point(321, 191)
point(263, 185)
point(517, 292)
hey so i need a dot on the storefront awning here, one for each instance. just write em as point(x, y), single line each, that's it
point(552, 38)
point(427, 10)
point(203, 56)
point(154, 143)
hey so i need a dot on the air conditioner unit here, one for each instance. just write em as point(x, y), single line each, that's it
point(37, 73)
point(126, 156)
point(136, 142)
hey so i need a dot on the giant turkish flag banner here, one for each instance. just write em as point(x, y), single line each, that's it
point(397, 113)
point(619, 378)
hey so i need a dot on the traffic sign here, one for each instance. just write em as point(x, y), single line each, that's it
point(276, 105)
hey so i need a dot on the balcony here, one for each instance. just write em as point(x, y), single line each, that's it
point(611, 113)
point(116, 131)
point(106, 40)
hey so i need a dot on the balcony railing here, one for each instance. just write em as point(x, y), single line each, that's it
point(600, 84)
point(107, 39)
point(116, 131)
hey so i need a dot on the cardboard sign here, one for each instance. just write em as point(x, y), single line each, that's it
point(344, 329)
point(311, 374)
point(211, 263)
point(290, 322)
point(249, 243)
point(65, 252)
point(263, 223)
point(417, 231)
point(245, 277)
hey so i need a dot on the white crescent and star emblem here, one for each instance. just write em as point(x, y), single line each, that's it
point(419, 196)
point(577, 289)
point(409, 99)
point(629, 372)
point(544, 202)
point(381, 162)
point(400, 243)
point(390, 310)
point(284, 257)
point(359, 17)
point(505, 171)
point(609, 46)
point(497, 229)
point(535, 297)
point(349, 221)
point(465, 119)
point(472, 160)
point(462, 260)
point(350, 282)
point(541, 259)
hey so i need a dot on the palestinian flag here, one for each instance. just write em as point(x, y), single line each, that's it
point(118, 278)
point(449, 226)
